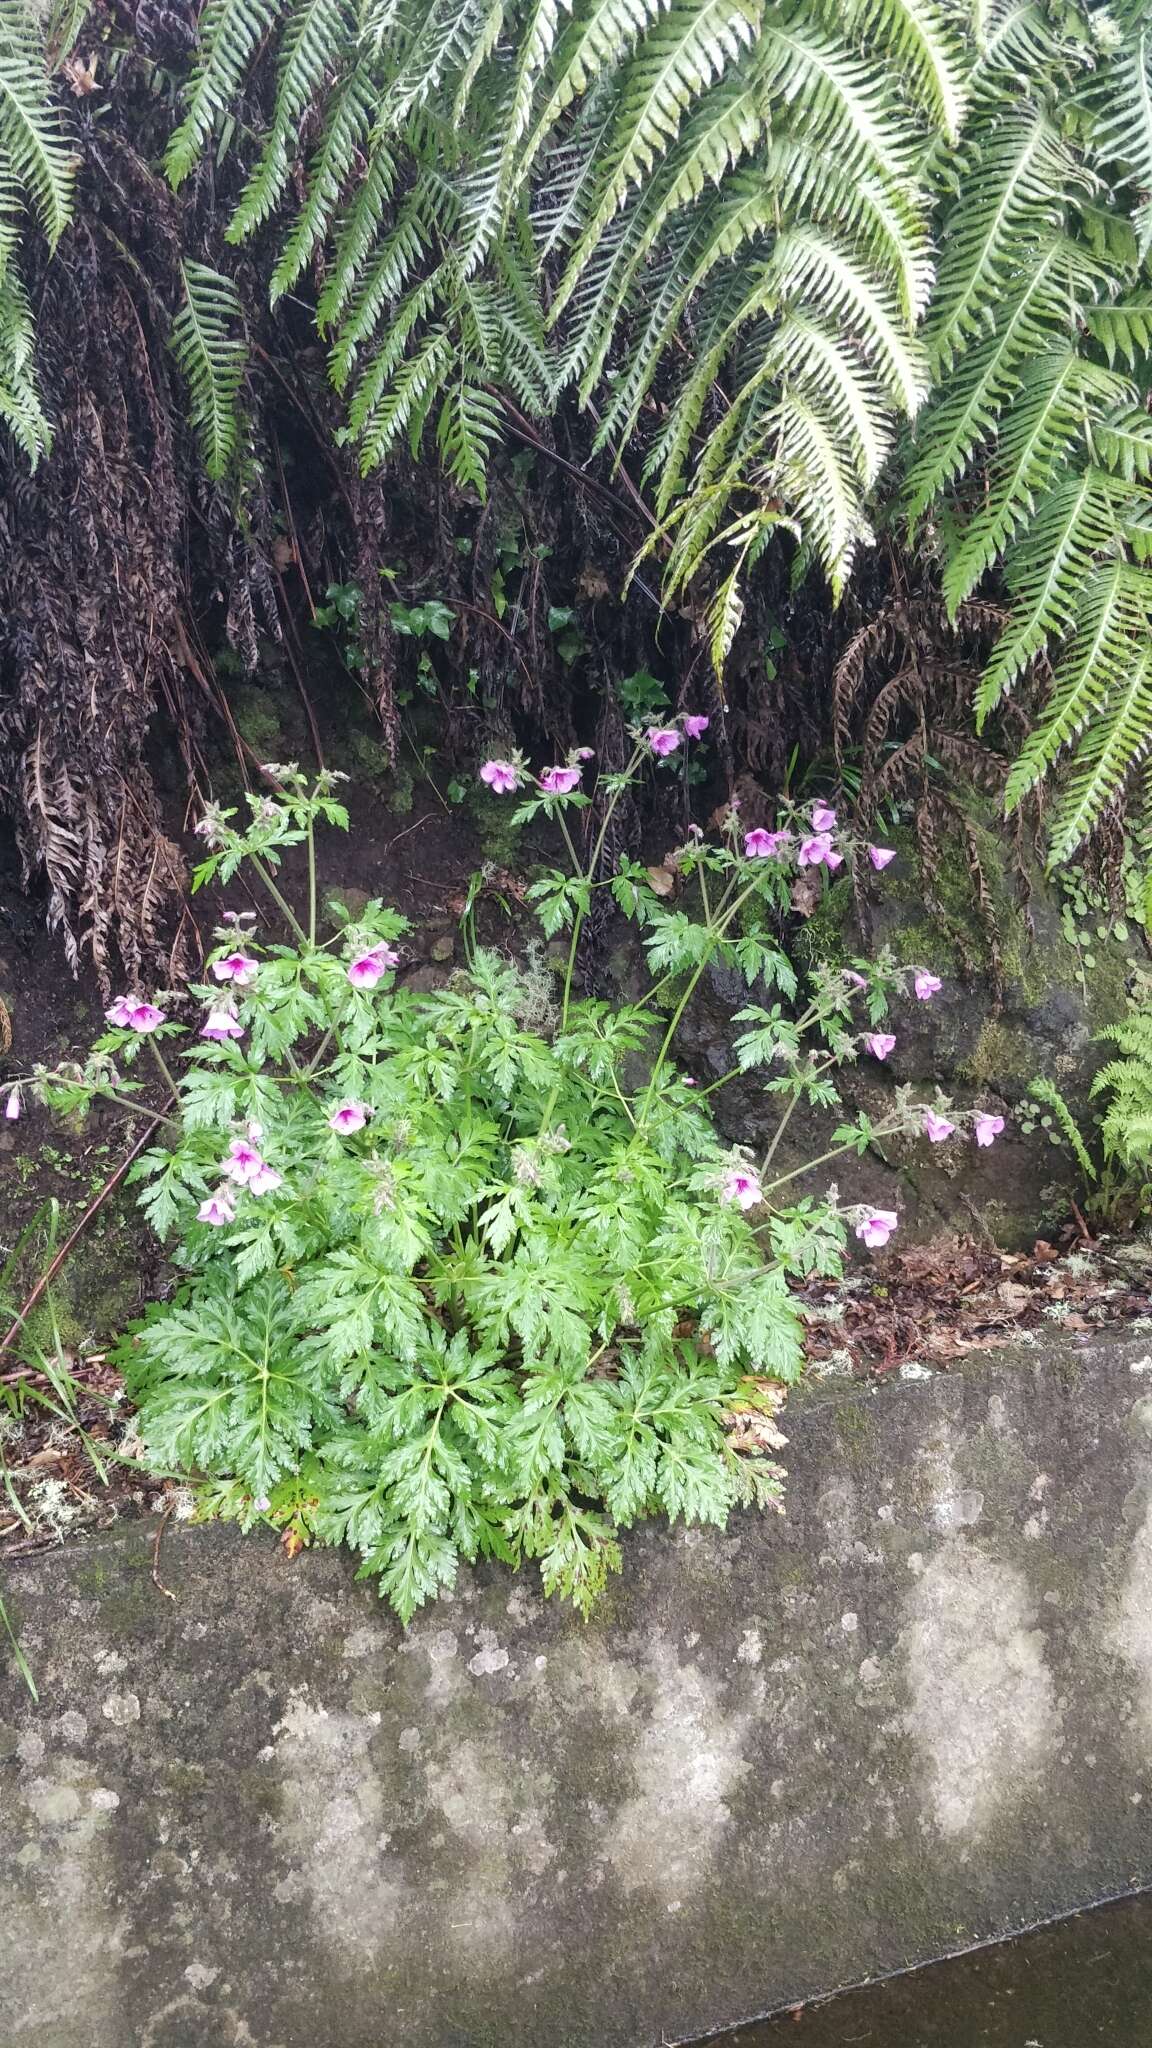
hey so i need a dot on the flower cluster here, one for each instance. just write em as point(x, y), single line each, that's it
point(243, 1166)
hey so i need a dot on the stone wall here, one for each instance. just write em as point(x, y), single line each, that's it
point(914, 1712)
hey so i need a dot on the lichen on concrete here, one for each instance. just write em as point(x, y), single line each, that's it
point(915, 1711)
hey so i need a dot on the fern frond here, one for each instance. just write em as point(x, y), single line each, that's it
point(1072, 529)
point(31, 137)
point(963, 414)
point(231, 32)
point(1111, 628)
point(328, 173)
point(926, 44)
point(807, 266)
point(1115, 741)
point(679, 59)
point(315, 29)
point(212, 359)
point(1039, 436)
point(1016, 190)
point(836, 96)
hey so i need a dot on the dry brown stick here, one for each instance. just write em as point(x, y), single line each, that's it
point(157, 1581)
point(97, 1203)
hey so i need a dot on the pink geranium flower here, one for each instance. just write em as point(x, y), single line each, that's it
point(926, 986)
point(761, 845)
point(695, 725)
point(987, 1128)
point(501, 776)
point(585, 754)
point(221, 1023)
point(816, 851)
point(881, 855)
point(131, 1015)
point(855, 980)
point(880, 1044)
point(238, 968)
point(559, 781)
point(663, 739)
point(368, 968)
point(876, 1226)
point(219, 1208)
point(823, 819)
point(13, 1104)
point(742, 1186)
point(349, 1117)
point(265, 1180)
point(243, 1161)
point(937, 1127)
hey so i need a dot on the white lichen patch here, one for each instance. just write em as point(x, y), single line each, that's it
point(332, 1824)
point(984, 1713)
point(1129, 1633)
point(686, 1760)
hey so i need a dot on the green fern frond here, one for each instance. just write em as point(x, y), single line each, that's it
point(31, 137)
point(1115, 741)
point(1072, 529)
point(328, 174)
point(1016, 190)
point(313, 31)
point(1040, 435)
point(839, 99)
point(231, 32)
point(212, 360)
point(679, 60)
point(1112, 625)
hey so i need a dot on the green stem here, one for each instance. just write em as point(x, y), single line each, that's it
point(797, 1094)
point(837, 1152)
point(165, 1069)
point(311, 881)
point(723, 922)
point(285, 908)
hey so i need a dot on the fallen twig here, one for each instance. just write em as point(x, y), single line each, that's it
point(97, 1203)
point(156, 1579)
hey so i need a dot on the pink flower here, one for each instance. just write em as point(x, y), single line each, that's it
point(262, 1504)
point(239, 968)
point(876, 1226)
point(349, 1117)
point(559, 781)
point(663, 739)
point(881, 855)
point(585, 754)
point(219, 1208)
point(696, 724)
point(761, 845)
point(265, 1180)
point(689, 1082)
point(937, 1127)
point(987, 1128)
point(221, 1023)
point(501, 776)
point(880, 1044)
point(368, 968)
point(817, 850)
point(243, 1161)
point(742, 1186)
point(926, 986)
point(855, 980)
point(13, 1104)
point(823, 820)
point(133, 1016)
point(832, 859)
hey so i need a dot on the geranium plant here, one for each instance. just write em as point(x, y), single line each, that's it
point(459, 1281)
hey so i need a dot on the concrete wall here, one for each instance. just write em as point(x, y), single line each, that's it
point(915, 1711)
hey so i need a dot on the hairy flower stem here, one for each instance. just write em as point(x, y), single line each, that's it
point(587, 874)
point(165, 1069)
point(282, 904)
point(837, 1152)
point(311, 880)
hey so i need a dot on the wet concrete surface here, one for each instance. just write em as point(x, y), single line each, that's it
point(1082, 1980)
